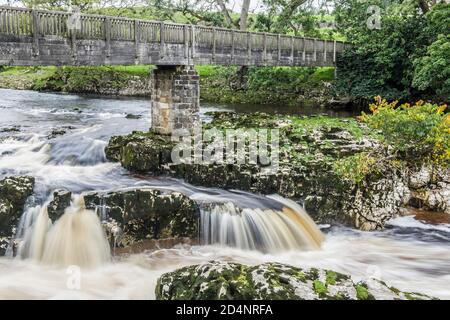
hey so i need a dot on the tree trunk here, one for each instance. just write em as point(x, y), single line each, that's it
point(423, 4)
point(225, 12)
point(244, 15)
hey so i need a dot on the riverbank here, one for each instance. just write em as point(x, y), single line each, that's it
point(266, 85)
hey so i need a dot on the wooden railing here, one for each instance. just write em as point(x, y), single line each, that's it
point(39, 23)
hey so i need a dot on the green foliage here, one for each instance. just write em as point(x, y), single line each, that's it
point(86, 79)
point(385, 61)
point(355, 167)
point(265, 85)
point(432, 71)
point(420, 131)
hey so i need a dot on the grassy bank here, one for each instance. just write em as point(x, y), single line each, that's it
point(264, 85)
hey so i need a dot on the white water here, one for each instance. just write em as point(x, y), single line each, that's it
point(76, 238)
point(268, 230)
point(408, 265)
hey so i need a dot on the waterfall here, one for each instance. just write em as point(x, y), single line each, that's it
point(268, 230)
point(76, 238)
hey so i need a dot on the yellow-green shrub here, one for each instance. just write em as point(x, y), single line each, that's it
point(420, 130)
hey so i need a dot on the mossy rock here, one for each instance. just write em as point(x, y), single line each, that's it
point(14, 191)
point(218, 280)
point(146, 213)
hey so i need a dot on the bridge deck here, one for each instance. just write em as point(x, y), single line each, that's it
point(37, 37)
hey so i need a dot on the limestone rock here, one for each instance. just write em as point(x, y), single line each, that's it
point(269, 281)
point(14, 191)
point(137, 214)
point(312, 149)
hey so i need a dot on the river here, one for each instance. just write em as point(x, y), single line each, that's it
point(59, 139)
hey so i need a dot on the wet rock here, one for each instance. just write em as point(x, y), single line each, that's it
point(14, 191)
point(56, 132)
point(133, 116)
point(140, 151)
point(270, 281)
point(138, 214)
point(10, 129)
point(430, 188)
point(61, 201)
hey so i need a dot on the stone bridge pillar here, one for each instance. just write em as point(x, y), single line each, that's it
point(175, 98)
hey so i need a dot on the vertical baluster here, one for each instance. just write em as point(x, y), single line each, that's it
point(185, 40)
point(292, 50)
point(249, 47)
point(162, 38)
point(74, 42)
point(325, 50)
point(193, 41)
point(279, 48)
point(304, 49)
point(265, 47)
point(232, 45)
point(214, 36)
point(137, 36)
point(334, 51)
point(36, 32)
point(315, 49)
point(108, 36)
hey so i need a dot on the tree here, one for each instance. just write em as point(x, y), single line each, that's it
point(382, 60)
point(432, 71)
point(61, 4)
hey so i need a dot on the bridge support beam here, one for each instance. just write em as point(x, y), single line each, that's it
point(175, 98)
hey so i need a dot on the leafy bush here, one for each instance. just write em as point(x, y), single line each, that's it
point(418, 131)
point(356, 167)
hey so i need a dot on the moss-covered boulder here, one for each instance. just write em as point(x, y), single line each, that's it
point(138, 214)
point(269, 281)
point(14, 191)
point(140, 151)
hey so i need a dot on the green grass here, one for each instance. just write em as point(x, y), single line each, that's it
point(139, 70)
point(308, 124)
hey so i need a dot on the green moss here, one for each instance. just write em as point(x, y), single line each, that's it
point(362, 293)
point(320, 288)
point(331, 277)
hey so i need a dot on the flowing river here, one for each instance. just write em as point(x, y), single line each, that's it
point(60, 139)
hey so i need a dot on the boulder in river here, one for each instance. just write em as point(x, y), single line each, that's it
point(144, 213)
point(61, 201)
point(14, 192)
point(270, 281)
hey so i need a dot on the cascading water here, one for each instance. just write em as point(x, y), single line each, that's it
point(268, 230)
point(76, 238)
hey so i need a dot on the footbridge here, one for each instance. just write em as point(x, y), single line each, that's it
point(31, 37)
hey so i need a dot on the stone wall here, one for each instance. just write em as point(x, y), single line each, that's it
point(175, 98)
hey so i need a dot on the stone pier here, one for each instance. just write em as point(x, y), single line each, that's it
point(175, 98)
